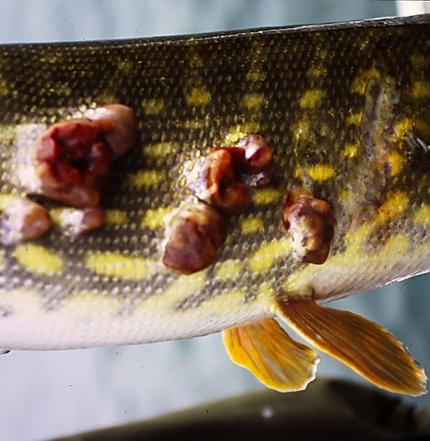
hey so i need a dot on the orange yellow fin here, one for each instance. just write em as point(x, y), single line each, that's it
point(271, 355)
point(364, 346)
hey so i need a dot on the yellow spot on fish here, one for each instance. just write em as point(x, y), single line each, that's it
point(252, 224)
point(354, 119)
point(321, 172)
point(350, 151)
point(155, 218)
point(116, 217)
point(234, 298)
point(394, 205)
point(360, 82)
point(402, 126)
point(161, 149)
point(181, 288)
point(265, 196)
point(268, 253)
point(396, 245)
point(302, 130)
point(396, 161)
point(236, 133)
point(311, 98)
point(119, 265)
point(266, 290)
point(198, 96)
point(229, 269)
point(253, 101)
point(38, 259)
point(421, 89)
point(153, 106)
point(422, 216)
point(147, 178)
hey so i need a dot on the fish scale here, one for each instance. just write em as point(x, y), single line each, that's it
point(334, 102)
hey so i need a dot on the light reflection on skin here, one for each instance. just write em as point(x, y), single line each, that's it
point(136, 382)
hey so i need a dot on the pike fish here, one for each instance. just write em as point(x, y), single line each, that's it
point(345, 110)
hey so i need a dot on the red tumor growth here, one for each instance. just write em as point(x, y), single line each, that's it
point(73, 162)
point(74, 158)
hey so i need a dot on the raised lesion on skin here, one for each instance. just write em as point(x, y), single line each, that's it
point(219, 185)
point(69, 163)
point(22, 219)
point(310, 222)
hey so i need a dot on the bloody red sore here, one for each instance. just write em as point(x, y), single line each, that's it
point(73, 158)
point(74, 161)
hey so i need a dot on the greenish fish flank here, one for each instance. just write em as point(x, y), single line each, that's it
point(345, 109)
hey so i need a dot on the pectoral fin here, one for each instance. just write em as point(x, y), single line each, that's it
point(271, 355)
point(364, 346)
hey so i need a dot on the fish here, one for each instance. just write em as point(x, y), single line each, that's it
point(340, 111)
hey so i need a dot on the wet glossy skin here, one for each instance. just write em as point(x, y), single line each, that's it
point(335, 105)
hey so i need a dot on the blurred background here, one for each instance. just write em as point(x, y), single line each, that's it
point(48, 394)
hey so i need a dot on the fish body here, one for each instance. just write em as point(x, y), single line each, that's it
point(345, 109)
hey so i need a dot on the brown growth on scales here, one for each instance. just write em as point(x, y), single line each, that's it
point(310, 222)
point(198, 230)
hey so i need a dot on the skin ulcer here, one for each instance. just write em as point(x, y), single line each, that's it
point(74, 158)
point(73, 162)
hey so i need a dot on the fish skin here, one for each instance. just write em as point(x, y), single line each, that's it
point(322, 96)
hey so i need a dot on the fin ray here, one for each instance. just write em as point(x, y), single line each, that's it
point(271, 355)
point(364, 346)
